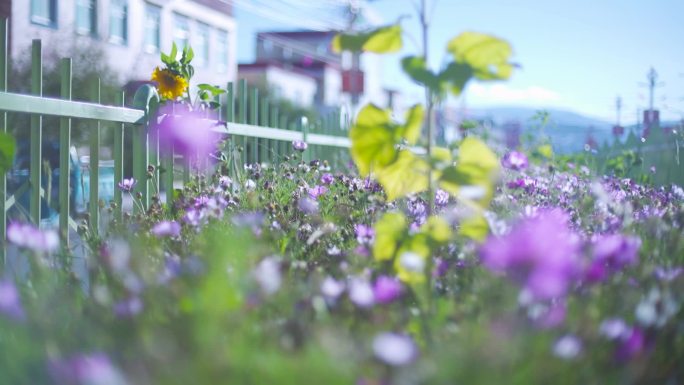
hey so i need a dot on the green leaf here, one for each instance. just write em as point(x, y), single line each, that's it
point(476, 168)
point(414, 121)
point(174, 51)
point(380, 40)
point(545, 150)
point(486, 55)
point(390, 230)
point(456, 76)
point(407, 175)
point(189, 55)
point(214, 90)
point(416, 68)
point(7, 150)
point(372, 137)
point(437, 229)
point(475, 227)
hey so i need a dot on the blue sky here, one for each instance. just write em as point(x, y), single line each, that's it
point(576, 55)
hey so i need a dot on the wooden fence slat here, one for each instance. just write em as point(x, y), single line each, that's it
point(35, 171)
point(119, 132)
point(254, 120)
point(3, 128)
point(94, 163)
point(64, 155)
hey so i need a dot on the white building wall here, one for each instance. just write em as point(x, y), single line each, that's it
point(295, 87)
point(299, 89)
point(131, 61)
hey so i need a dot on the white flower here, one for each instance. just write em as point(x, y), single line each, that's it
point(267, 275)
point(394, 349)
point(361, 293)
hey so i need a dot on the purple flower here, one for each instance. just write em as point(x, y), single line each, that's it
point(166, 229)
point(394, 349)
point(541, 252)
point(668, 275)
point(631, 345)
point(612, 253)
point(514, 160)
point(365, 235)
point(526, 183)
point(441, 197)
point(327, 179)
point(331, 288)
point(267, 275)
point(30, 237)
point(127, 185)
point(193, 217)
point(614, 328)
point(386, 289)
point(617, 250)
point(361, 293)
point(10, 301)
point(317, 191)
point(185, 132)
point(128, 308)
point(567, 347)
point(308, 205)
point(85, 369)
point(299, 145)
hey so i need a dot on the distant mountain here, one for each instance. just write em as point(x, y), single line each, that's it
point(567, 130)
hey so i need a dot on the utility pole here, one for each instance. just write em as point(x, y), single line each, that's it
point(618, 108)
point(652, 77)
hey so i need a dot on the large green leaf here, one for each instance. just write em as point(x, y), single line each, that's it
point(456, 75)
point(486, 55)
point(384, 39)
point(477, 167)
point(475, 227)
point(410, 131)
point(390, 230)
point(375, 137)
point(373, 142)
point(416, 68)
point(7, 149)
point(407, 175)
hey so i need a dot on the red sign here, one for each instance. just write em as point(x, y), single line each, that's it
point(352, 82)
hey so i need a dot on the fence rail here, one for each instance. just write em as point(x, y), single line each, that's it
point(253, 123)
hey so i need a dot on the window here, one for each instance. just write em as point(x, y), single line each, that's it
point(222, 51)
point(44, 12)
point(201, 47)
point(118, 21)
point(152, 27)
point(181, 31)
point(86, 17)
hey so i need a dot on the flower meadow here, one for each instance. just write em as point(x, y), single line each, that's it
point(275, 277)
point(473, 264)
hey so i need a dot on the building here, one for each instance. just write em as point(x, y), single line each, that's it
point(132, 32)
point(284, 82)
point(309, 53)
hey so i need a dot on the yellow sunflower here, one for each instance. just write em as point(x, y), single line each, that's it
point(169, 84)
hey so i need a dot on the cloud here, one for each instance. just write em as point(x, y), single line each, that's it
point(478, 93)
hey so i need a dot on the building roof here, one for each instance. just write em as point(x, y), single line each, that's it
point(302, 33)
point(263, 65)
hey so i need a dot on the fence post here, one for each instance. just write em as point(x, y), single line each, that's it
point(242, 118)
point(94, 200)
point(254, 119)
point(275, 143)
point(118, 158)
point(3, 129)
point(263, 122)
point(64, 155)
point(304, 128)
point(36, 132)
